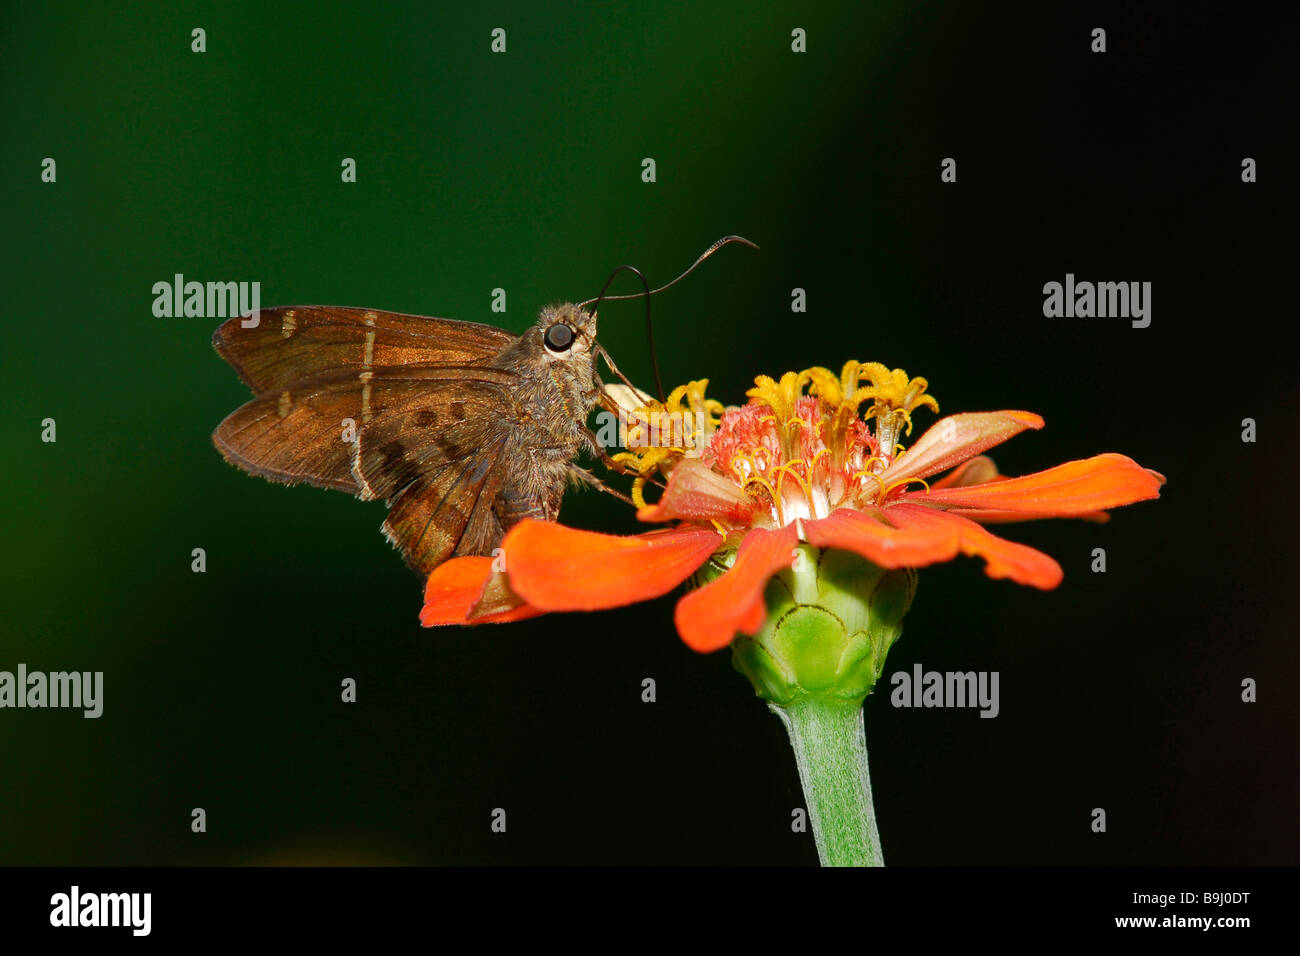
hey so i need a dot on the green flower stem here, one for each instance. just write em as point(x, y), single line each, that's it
point(831, 618)
point(830, 747)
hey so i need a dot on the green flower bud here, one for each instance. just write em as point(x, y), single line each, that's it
point(831, 619)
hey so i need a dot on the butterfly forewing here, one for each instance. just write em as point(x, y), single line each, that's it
point(290, 345)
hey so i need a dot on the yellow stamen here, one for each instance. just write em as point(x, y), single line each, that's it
point(901, 482)
point(789, 469)
point(779, 396)
point(688, 403)
point(638, 492)
point(746, 456)
point(771, 493)
point(867, 474)
point(894, 397)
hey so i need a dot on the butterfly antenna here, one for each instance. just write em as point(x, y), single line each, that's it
point(649, 327)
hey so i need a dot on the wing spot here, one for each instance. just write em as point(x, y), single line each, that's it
point(370, 318)
point(393, 454)
point(365, 400)
point(289, 323)
point(283, 406)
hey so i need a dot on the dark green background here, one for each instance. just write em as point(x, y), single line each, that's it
point(523, 171)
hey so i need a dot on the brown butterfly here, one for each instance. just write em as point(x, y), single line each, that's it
point(463, 429)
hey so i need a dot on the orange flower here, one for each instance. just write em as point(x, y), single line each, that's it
point(747, 485)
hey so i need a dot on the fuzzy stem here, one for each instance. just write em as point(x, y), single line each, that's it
point(830, 748)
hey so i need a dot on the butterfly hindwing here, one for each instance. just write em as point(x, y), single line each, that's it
point(448, 510)
point(293, 437)
point(309, 433)
point(440, 422)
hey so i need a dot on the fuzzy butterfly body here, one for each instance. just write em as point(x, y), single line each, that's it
point(462, 429)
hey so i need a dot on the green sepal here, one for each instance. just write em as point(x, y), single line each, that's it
point(831, 619)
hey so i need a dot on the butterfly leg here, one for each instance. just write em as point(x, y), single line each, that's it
point(581, 476)
point(594, 446)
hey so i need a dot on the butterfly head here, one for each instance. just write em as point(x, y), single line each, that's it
point(566, 332)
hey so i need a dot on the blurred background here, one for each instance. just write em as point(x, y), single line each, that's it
point(522, 170)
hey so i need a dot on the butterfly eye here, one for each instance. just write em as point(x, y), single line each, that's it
point(559, 337)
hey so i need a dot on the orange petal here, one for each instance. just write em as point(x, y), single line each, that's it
point(984, 516)
point(696, 492)
point(1074, 489)
point(708, 618)
point(977, 471)
point(910, 536)
point(464, 586)
point(562, 569)
point(1002, 558)
point(953, 439)
point(876, 538)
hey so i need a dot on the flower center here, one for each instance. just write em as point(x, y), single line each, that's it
point(804, 455)
point(800, 447)
point(782, 462)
